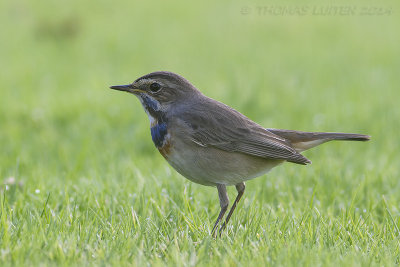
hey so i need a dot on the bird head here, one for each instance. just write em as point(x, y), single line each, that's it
point(160, 91)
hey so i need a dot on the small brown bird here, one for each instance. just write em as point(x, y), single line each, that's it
point(212, 144)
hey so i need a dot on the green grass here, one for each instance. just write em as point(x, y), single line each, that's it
point(82, 184)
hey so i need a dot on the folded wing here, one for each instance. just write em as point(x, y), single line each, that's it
point(214, 124)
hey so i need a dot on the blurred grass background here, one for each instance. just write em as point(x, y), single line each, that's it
point(83, 184)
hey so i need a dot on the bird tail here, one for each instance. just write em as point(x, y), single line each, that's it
point(305, 140)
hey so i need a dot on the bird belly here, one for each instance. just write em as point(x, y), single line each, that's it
point(212, 166)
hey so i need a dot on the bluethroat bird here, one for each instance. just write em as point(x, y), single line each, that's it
point(212, 144)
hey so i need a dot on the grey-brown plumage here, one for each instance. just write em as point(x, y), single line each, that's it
point(306, 140)
point(217, 125)
point(210, 143)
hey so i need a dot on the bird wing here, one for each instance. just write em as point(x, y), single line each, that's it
point(214, 124)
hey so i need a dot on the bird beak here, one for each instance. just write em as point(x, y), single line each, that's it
point(125, 88)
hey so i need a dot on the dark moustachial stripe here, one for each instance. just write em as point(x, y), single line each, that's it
point(158, 133)
point(152, 107)
point(149, 102)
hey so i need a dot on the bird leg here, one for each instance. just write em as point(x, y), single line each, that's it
point(240, 189)
point(224, 203)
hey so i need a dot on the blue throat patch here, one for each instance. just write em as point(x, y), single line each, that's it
point(158, 133)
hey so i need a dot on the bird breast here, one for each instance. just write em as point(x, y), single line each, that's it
point(158, 133)
point(161, 138)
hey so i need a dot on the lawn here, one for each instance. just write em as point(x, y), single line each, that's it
point(82, 184)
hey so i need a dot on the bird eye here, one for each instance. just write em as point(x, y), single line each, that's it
point(155, 87)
